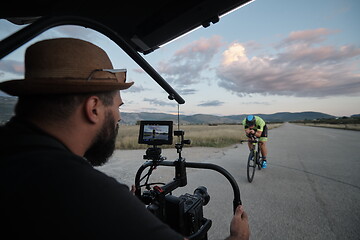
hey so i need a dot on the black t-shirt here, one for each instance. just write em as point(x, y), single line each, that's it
point(49, 193)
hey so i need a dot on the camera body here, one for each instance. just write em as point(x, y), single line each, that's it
point(184, 214)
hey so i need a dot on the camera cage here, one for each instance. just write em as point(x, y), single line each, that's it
point(185, 219)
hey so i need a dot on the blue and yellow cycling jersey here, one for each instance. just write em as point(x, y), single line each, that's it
point(259, 124)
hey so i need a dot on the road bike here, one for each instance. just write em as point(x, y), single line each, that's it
point(254, 159)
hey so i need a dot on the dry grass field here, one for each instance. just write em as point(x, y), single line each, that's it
point(200, 136)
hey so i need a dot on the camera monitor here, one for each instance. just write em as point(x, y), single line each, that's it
point(156, 132)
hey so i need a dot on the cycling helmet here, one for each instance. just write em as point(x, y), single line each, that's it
point(250, 120)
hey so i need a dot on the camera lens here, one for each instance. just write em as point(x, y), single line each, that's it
point(202, 192)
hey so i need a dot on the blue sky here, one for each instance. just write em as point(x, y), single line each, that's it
point(267, 57)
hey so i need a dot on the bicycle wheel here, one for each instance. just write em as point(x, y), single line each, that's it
point(251, 165)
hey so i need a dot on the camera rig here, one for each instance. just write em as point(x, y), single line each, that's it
point(184, 213)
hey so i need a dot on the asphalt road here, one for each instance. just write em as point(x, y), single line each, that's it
point(310, 190)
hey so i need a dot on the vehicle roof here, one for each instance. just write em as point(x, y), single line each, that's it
point(145, 25)
point(136, 26)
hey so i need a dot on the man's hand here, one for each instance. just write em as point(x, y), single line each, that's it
point(133, 189)
point(239, 226)
point(249, 131)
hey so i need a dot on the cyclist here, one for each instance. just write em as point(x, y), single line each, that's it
point(255, 125)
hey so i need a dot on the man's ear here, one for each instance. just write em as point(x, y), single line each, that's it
point(92, 109)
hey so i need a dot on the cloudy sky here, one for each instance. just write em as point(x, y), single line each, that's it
point(267, 57)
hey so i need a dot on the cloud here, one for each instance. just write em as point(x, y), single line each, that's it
point(186, 65)
point(256, 103)
point(326, 55)
point(136, 88)
point(213, 103)
point(12, 66)
point(139, 70)
point(308, 36)
point(157, 102)
point(187, 91)
point(301, 67)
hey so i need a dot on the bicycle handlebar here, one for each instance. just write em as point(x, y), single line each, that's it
point(253, 139)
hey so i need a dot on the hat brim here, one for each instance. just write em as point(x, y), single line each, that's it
point(20, 87)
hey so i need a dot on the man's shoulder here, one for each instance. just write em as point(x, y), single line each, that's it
point(244, 121)
point(55, 169)
point(259, 119)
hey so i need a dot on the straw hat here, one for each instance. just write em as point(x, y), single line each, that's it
point(66, 65)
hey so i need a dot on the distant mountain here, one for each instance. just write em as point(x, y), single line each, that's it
point(288, 116)
point(131, 118)
point(7, 105)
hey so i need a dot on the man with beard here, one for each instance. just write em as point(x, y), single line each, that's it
point(66, 122)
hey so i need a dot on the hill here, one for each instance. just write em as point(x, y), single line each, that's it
point(7, 105)
point(131, 118)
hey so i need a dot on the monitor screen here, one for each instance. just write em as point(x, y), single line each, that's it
point(156, 132)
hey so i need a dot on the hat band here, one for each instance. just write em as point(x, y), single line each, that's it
point(114, 71)
point(110, 75)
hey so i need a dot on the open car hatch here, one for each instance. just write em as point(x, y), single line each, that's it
point(136, 28)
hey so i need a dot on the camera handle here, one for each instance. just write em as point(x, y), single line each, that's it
point(226, 174)
point(180, 179)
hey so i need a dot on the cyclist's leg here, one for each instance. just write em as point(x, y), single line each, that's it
point(263, 138)
point(263, 150)
point(250, 145)
point(263, 147)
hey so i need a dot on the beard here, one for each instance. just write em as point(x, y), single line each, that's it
point(104, 143)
